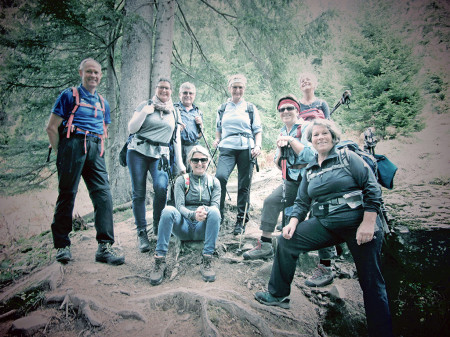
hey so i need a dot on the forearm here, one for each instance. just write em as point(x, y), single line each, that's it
point(136, 121)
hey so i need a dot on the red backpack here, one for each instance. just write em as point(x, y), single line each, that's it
point(310, 114)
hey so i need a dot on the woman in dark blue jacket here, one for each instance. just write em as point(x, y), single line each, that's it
point(344, 198)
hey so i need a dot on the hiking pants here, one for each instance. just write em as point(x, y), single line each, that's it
point(139, 165)
point(228, 159)
point(312, 235)
point(73, 163)
point(188, 230)
point(273, 206)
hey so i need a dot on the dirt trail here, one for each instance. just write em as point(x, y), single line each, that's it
point(100, 300)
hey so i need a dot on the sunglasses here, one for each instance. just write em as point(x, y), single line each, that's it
point(289, 108)
point(197, 160)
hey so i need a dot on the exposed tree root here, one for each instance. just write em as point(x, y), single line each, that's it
point(86, 308)
point(212, 311)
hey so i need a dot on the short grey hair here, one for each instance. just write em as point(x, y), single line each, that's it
point(331, 126)
point(199, 149)
point(89, 59)
point(187, 85)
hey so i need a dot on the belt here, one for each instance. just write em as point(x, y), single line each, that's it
point(151, 142)
point(298, 167)
point(95, 137)
point(187, 143)
point(91, 138)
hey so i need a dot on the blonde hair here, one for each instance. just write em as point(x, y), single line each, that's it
point(199, 149)
point(331, 126)
point(237, 78)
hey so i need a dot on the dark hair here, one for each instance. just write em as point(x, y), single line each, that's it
point(163, 79)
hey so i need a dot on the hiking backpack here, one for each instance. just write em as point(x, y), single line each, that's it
point(250, 110)
point(311, 114)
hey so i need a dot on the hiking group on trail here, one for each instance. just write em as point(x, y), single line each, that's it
point(331, 195)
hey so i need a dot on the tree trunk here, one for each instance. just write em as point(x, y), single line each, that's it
point(134, 86)
point(162, 56)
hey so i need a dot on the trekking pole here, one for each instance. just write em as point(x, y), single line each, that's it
point(284, 150)
point(345, 99)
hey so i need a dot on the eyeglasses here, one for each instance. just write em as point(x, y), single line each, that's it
point(237, 87)
point(163, 88)
point(197, 160)
point(187, 93)
point(289, 108)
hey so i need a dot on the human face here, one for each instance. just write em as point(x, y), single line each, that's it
point(288, 114)
point(237, 90)
point(163, 91)
point(322, 139)
point(187, 97)
point(197, 165)
point(307, 84)
point(91, 75)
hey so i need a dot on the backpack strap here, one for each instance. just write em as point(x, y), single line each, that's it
point(250, 110)
point(343, 163)
point(311, 114)
point(187, 182)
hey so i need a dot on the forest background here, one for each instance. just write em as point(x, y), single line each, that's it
point(392, 55)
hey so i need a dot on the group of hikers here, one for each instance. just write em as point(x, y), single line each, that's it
point(332, 195)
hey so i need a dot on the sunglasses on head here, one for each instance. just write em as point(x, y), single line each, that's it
point(196, 160)
point(289, 108)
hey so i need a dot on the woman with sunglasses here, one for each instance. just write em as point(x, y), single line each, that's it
point(298, 153)
point(153, 125)
point(239, 138)
point(195, 217)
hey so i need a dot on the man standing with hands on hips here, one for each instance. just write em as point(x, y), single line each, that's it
point(82, 114)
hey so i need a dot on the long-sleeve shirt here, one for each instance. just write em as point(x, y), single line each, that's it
point(303, 158)
point(334, 183)
point(197, 195)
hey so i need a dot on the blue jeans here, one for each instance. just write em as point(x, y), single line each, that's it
point(187, 230)
point(139, 165)
point(312, 235)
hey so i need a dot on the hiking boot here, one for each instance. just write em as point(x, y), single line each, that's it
point(262, 250)
point(321, 277)
point(106, 254)
point(206, 270)
point(144, 243)
point(267, 299)
point(238, 228)
point(159, 268)
point(63, 255)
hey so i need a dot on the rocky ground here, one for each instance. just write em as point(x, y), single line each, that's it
point(85, 298)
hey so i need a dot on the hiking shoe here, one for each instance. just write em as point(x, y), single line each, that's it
point(159, 268)
point(267, 299)
point(63, 255)
point(206, 270)
point(144, 243)
point(106, 254)
point(321, 277)
point(262, 250)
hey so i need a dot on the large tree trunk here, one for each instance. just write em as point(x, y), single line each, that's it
point(162, 56)
point(134, 86)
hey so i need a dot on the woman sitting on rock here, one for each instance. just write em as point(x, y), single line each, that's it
point(195, 217)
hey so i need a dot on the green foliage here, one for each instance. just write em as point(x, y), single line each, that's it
point(381, 75)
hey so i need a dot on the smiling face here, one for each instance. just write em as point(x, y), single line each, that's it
point(308, 83)
point(163, 91)
point(198, 163)
point(288, 114)
point(321, 139)
point(91, 75)
point(237, 90)
point(187, 97)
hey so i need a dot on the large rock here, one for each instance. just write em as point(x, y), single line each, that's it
point(27, 326)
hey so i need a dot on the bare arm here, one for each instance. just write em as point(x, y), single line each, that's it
point(52, 130)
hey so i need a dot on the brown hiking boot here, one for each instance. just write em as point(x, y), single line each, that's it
point(157, 274)
point(206, 270)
